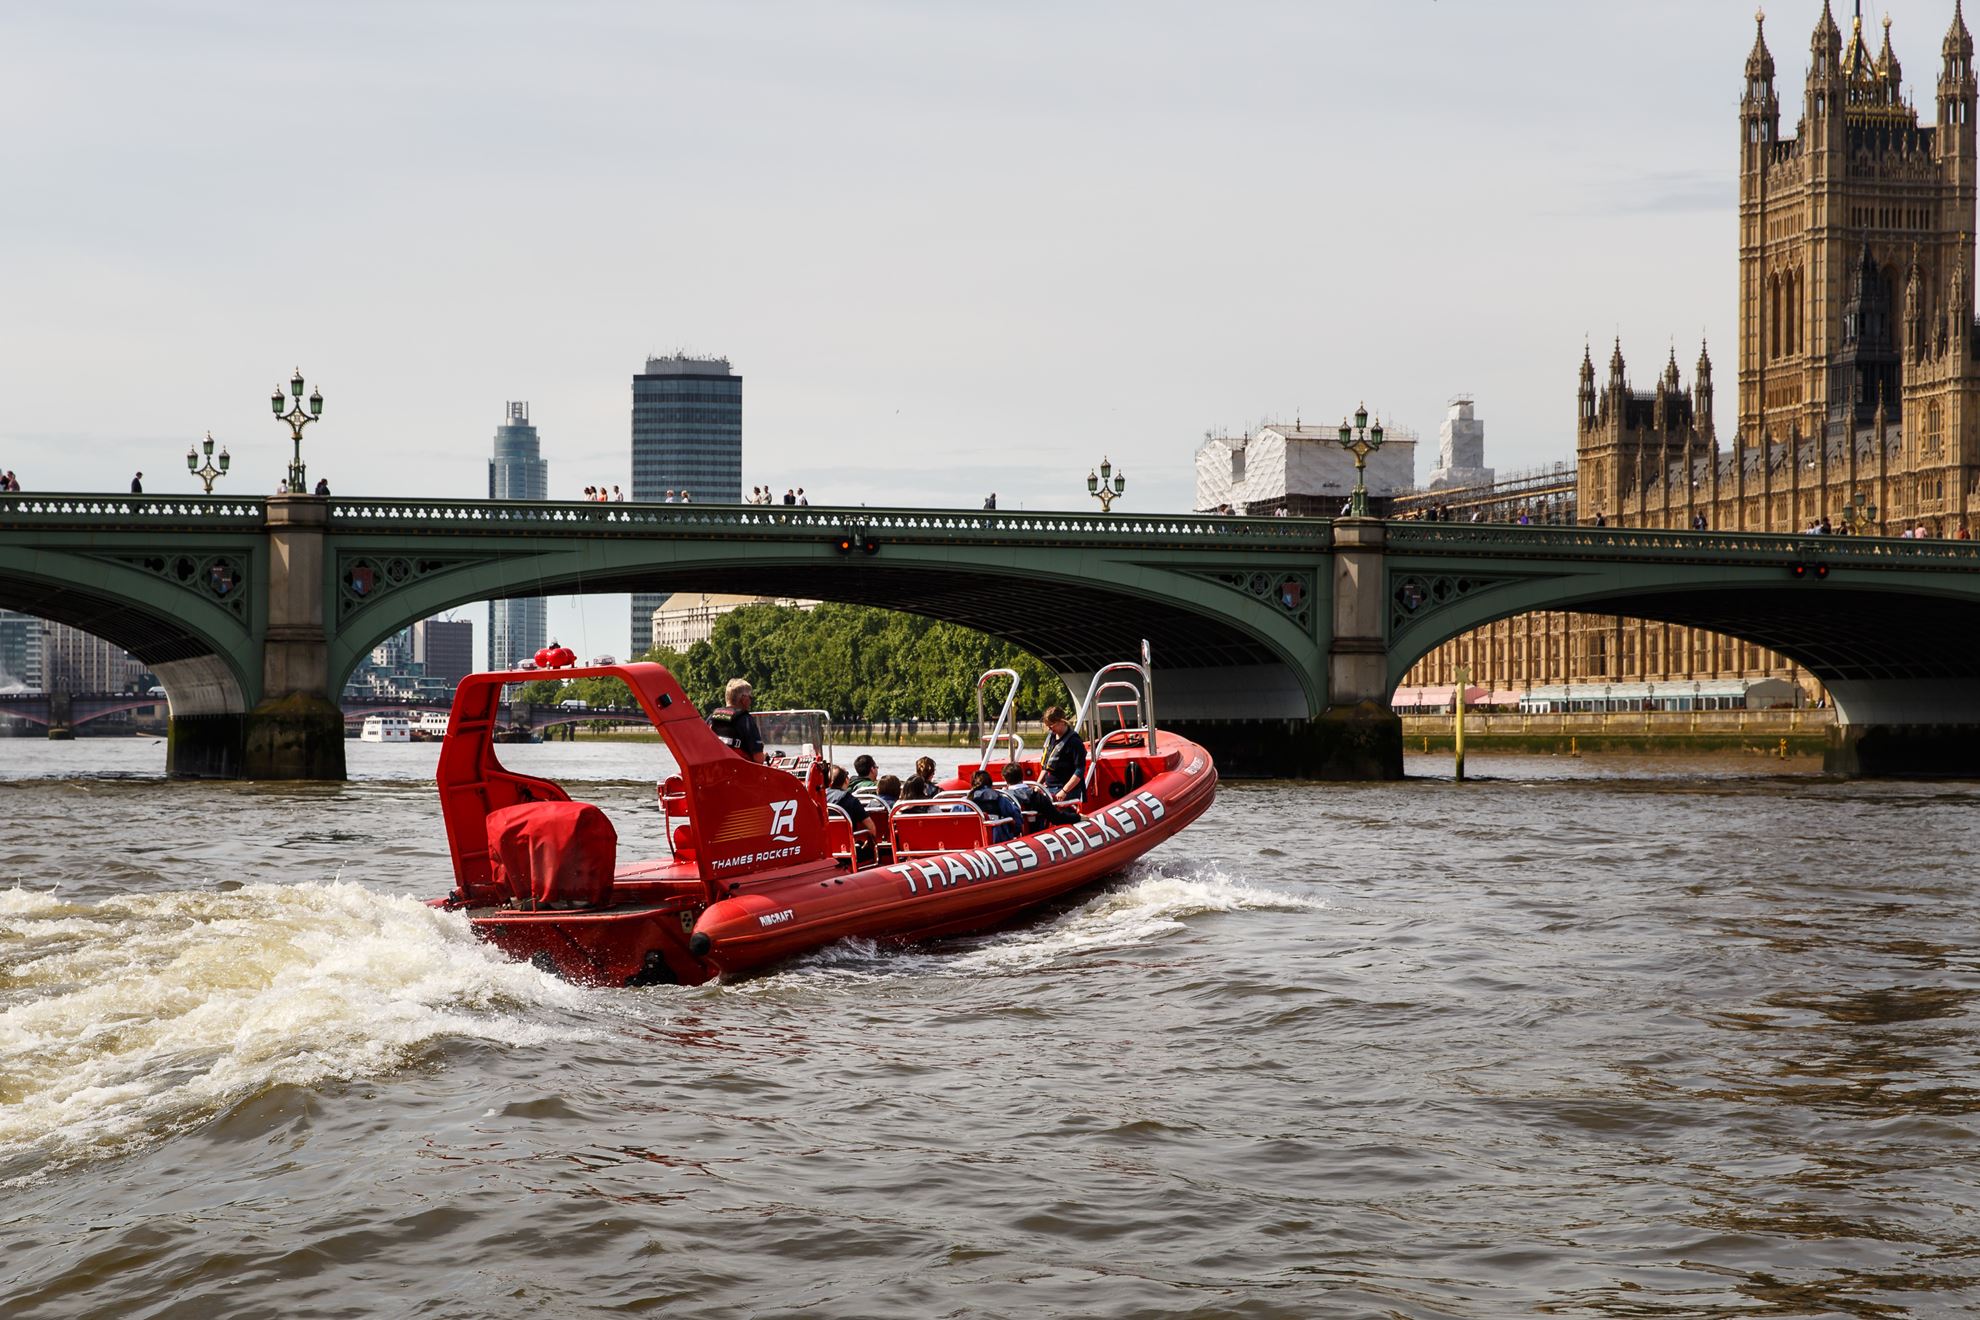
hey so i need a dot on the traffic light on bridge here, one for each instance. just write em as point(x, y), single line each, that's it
point(1818, 571)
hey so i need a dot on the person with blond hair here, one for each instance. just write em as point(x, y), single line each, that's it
point(732, 722)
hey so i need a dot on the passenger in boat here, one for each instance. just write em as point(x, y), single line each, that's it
point(924, 766)
point(1062, 764)
point(1038, 807)
point(838, 793)
point(917, 789)
point(888, 790)
point(733, 723)
point(862, 776)
point(1005, 816)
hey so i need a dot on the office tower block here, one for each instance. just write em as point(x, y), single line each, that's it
point(517, 629)
point(445, 647)
point(686, 437)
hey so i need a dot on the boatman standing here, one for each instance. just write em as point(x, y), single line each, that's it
point(1062, 765)
point(733, 723)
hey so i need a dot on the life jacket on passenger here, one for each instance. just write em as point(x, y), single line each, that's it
point(996, 809)
point(722, 722)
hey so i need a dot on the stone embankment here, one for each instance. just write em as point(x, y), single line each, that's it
point(1756, 732)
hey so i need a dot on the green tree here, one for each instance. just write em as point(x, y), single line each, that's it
point(857, 662)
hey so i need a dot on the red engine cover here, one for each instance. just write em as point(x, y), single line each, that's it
point(553, 853)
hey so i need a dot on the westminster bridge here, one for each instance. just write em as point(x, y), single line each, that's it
point(1278, 640)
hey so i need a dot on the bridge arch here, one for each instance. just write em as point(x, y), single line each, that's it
point(1894, 646)
point(1224, 651)
point(189, 616)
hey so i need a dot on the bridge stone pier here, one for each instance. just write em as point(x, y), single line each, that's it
point(1278, 641)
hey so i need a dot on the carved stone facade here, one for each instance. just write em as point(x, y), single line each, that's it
point(1859, 363)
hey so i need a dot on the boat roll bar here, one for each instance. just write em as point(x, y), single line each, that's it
point(1102, 694)
point(1004, 731)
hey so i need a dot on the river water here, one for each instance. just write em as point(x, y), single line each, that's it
point(1597, 1037)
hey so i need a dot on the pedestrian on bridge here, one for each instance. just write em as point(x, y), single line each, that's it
point(137, 484)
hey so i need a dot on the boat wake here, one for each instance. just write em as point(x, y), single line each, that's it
point(1154, 900)
point(126, 1020)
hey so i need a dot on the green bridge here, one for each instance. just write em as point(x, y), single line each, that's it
point(1278, 640)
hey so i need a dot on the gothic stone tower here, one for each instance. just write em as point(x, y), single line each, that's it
point(1860, 184)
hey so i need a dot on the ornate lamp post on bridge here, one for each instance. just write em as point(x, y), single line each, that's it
point(1361, 440)
point(1107, 485)
point(207, 473)
point(297, 420)
point(1859, 516)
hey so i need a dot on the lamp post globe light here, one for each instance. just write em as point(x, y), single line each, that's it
point(207, 473)
point(297, 420)
point(1106, 485)
point(1859, 516)
point(1361, 440)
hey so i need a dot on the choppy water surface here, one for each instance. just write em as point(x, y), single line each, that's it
point(1608, 1038)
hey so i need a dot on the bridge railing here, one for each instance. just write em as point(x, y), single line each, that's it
point(1603, 542)
point(57, 510)
point(797, 522)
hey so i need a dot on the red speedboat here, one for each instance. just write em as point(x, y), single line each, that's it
point(759, 866)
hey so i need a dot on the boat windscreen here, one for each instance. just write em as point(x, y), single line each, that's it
point(797, 732)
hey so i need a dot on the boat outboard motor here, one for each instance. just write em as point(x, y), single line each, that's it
point(553, 854)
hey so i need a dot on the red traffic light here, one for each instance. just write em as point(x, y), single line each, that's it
point(1816, 571)
point(870, 546)
point(845, 543)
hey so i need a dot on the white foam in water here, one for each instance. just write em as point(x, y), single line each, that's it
point(1154, 900)
point(125, 1020)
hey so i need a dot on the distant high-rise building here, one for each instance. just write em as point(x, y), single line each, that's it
point(517, 629)
point(445, 647)
point(76, 661)
point(1460, 449)
point(686, 436)
point(20, 651)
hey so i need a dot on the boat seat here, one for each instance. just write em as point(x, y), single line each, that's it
point(839, 836)
point(918, 831)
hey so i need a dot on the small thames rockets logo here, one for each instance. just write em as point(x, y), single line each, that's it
point(783, 820)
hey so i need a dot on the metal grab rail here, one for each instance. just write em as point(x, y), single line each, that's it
point(1133, 699)
point(1093, 761)
point(1087, 712)
point(1006, 716)
point(852, 836)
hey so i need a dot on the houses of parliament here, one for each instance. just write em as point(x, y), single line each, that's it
point(1858, 360)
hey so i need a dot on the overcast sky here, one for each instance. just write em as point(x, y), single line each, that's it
point(950, 247)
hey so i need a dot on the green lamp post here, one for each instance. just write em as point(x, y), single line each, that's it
point(207, 472)
point(1361, 440)
point(297, 420)
point(1859, 516)
point(1106, 485)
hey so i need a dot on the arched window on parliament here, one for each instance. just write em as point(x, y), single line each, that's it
point(1774, 319)
point(1934, 439)
point(1794, 311)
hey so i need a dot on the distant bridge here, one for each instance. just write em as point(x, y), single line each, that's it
point(1278, 640)
point(69, 709)
point(519, 714)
